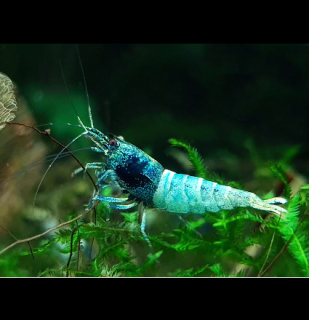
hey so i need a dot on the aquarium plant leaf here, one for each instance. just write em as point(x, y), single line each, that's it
point(195, 158)
point(295, 237)
point(192, 272)
point(279, 173)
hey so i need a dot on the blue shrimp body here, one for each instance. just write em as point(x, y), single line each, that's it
point(135, 172)
point(180, 193)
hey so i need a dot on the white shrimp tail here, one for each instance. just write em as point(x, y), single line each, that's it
point(269, 205)
point(181, 193)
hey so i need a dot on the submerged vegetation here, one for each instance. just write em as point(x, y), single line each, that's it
point(242, 107)
point(238, 242)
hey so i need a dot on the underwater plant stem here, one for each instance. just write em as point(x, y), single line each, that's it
point(276, 258)
point(271, 243)
point(71, 250)
point(40, 235)
point(78, 252)
point(31, 250)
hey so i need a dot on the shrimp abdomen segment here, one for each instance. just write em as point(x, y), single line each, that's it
point(180, 193)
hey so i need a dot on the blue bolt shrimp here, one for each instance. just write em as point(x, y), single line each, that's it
point(133, 171)
point(148, 183)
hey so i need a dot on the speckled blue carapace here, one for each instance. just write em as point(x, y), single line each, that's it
point(136, 171)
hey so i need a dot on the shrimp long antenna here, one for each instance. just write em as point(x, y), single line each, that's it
point(58, 123)
point(65, 148)
point(85, 85)
point(68, 91)
point(41, 161)
point(66, 87)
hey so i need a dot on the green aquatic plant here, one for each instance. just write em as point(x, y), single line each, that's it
point(238, 242)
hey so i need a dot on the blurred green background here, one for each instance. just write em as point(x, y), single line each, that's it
point(216, 96)
point(240, 105)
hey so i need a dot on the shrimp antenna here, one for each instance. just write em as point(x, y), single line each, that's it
point(71, 100)
point(58, 123)
point(41, 161)
point(65, 148)
point(61, 152)
point(85, 85)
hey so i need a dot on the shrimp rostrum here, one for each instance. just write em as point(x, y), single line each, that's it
point(147, 182)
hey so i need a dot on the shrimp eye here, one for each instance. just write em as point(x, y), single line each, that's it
point(112, 143)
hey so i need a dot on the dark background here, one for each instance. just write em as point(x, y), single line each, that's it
point(219, 97)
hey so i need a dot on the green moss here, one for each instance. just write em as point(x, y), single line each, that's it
point(215, 244)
